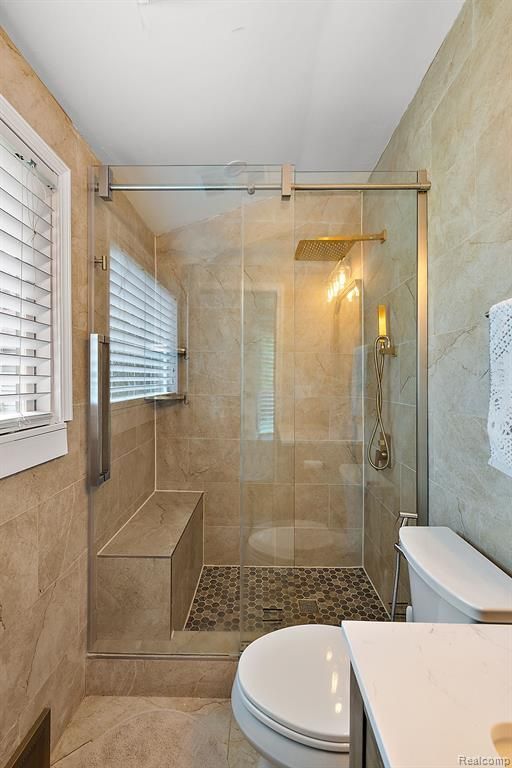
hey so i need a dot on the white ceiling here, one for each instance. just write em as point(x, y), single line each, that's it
point(319, 83)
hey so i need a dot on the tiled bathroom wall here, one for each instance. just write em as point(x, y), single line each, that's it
point(457, 126)
point(43, 511)
point(198, 445)
point(301, 471)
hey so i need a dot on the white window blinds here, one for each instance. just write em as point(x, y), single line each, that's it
point(26, 285)
point(143, 332)
point(266, 413)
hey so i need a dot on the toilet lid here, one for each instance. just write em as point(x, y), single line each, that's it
point(299, 677)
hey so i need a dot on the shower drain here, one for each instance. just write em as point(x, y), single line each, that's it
point(308, 606)
point(272, 614)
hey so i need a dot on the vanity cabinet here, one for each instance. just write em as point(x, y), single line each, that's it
point(364, 752)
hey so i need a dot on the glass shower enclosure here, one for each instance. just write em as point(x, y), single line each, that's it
point(233, 397)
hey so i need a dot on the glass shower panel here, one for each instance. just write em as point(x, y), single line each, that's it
point(390, 281)
point(164, 526)
point(267, 429)
point(122, 439)
point(328, 387)
point(318, 523)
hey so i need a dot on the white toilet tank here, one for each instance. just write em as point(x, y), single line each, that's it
point(451, 582)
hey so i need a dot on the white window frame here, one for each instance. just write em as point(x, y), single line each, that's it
point(36, 445)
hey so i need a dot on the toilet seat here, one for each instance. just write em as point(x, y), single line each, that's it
point(296, 682)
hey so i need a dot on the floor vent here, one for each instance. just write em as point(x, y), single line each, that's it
point(308, 606)
point(272, 614)
point(34, 750)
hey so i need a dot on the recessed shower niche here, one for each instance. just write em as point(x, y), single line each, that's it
point(233, 396)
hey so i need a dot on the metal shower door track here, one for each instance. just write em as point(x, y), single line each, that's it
point(106, 185)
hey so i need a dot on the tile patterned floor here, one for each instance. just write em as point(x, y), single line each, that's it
point(152, 732)
point(283, 597)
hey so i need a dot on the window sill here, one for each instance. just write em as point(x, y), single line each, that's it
point(26, 449)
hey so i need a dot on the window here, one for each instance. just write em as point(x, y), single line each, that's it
point(143, 332)
point(267, 303)
point(35, 339)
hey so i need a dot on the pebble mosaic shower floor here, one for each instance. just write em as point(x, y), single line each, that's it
point(282, 597)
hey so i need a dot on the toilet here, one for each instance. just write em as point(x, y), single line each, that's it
point(290, 697)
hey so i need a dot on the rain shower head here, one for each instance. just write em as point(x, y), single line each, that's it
point(332, 248)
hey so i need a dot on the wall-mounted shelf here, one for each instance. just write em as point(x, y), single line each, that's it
point(168, 397)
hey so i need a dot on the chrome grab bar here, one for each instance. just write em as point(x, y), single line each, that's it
point(99, 409)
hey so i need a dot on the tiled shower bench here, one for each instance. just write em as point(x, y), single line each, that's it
point(148, 571)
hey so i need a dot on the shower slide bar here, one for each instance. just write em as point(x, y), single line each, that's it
point(106, 185)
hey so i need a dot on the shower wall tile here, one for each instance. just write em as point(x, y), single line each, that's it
point(223, 508)
point(268, 504)
point(461, 111)
point(214, 460)
point(268, 546)
point(346, 506)
point(201, 678)
point(43, 510)
point(133, 599)
point(222, 545)
point(332, 462)
point(327, 547)
point(311, 505)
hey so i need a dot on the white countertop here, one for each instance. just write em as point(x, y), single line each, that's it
point(433, 692)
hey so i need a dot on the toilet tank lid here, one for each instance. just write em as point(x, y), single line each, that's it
point(459, 573)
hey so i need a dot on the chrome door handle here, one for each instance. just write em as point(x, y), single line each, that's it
point(99, 409)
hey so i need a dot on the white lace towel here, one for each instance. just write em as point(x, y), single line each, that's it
point(499, 424)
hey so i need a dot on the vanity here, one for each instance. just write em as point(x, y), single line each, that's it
point(429, 695)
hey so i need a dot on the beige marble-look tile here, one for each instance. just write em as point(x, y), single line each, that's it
point(215, 329)
point(34, 644)
point(172, 461)
point(222, 545)
point(324, 547)
point(323, 373)
point(215, 372)
point(186, 566)
point(461, 356)
point(345, 506)
point(343, 209)
point(267, 504)
point(133, 597)
point(151, 739)
point(8, 743)
point(328, 462)
point(100, 715)
point(199, 677)
point(156, 528)
point(68, 676)
point(240, 753)
point(222, 504)
point(494, 178)
point(312, 418)
point(214, 285)
point(18, 575)
point(214, 460)
point(452, 278)
point(311, 506)
point(268, 546)
point(62, 532)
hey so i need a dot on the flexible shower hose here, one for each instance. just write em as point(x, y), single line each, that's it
point(381, 343)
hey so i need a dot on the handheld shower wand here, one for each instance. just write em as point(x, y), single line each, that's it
point(381, 348)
